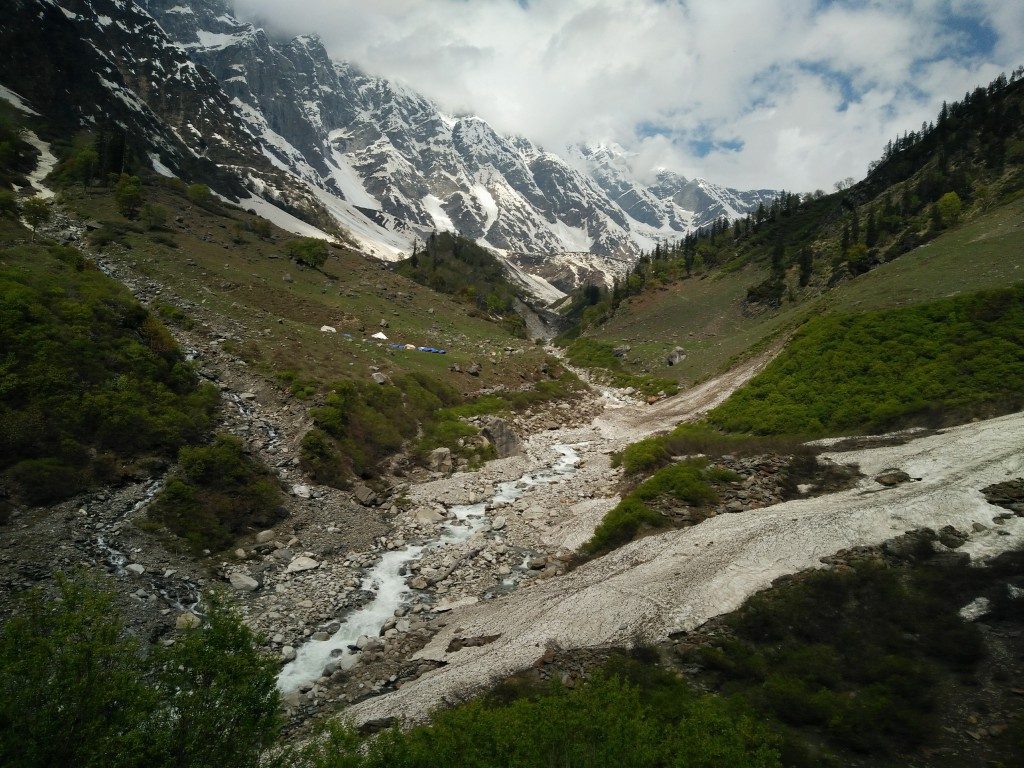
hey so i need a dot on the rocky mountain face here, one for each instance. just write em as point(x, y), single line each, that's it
point(109, 66)
point(212, 98)
point(410, 167)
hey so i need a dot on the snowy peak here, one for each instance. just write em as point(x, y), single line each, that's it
point(261, 118)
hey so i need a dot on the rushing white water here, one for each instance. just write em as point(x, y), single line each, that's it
point(387, 579)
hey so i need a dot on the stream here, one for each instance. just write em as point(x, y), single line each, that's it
point(387, 579)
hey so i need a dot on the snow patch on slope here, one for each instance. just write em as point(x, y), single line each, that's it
point(47, 162)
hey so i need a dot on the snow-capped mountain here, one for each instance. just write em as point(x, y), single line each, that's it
point(208, 97)
point(410, 167)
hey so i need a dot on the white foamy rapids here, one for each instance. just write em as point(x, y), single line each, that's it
point(387, 579)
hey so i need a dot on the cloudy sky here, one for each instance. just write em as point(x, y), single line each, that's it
point(790, 94)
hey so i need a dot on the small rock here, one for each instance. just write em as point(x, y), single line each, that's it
point(287, 653)
point(379, 377)
point(264, 536)
point(243, 582)
point(498, 524)
point(891, 477)
point(302, 491)
point(302, 563)
point(187, 620)
point(135, 569)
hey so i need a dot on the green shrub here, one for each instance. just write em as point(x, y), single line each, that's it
point(128, 196)
point(621, 525)
point(308, 251)
point(89, 378)
point(77, 689)
point(217, 494)
point(685, 482)
point(604, 723)
point(855, 653)
point(200, 195)
point(45, 481)
point(928, 364)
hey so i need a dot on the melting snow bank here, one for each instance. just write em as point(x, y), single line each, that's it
point(682, 578)
point(387, 580)
point(47, 162)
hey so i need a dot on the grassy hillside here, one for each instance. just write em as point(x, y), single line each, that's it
point(929, 363)
point(939, 213)
point(226, 267)
point(709, 318)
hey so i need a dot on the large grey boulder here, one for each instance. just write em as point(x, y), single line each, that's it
point(676, 356)
point(440, 460)
point(500, 433)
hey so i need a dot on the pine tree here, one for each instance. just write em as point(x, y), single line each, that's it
point(806, 265)
point(778, 256)
point(871, 233)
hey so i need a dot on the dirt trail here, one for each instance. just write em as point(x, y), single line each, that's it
point(678, 580)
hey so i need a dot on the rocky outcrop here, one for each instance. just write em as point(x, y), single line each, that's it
point(501, 435)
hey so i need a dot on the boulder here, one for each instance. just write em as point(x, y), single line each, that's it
point(135, 569)
point(419, 582)
point(676, 356)
point(302, 491)
point(264, 536)
point(379, 377)
point(498, 524)
point(427, 516)
point(474, 369)
point(440, 460)
point(287, 653)
point(243, 582)
point(891, 477)
point(187, 620)
point(302, 563)
point(364, 495)
point(500, 433)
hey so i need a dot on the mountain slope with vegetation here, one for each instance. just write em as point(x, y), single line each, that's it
point(941, 210)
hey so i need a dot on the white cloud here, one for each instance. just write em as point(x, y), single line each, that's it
point(811, 90)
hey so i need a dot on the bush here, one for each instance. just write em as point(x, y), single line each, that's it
point(90, 378)
point(685, 482)
point(855, 653)
point(128, 196)
point(621, 526)
point(76, 689)
point(217, 494)
point(927, 364)
point(308, 251)
point(45, 481)
point(605, 722)
point(154, 216)
point(200, 195)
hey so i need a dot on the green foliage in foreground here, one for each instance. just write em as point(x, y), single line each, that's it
point(932, 363)
point(605, 723)
point(588, 353)
point(88, 377)
point(75, 690)
point(686, 482)
point(217, 494)
point(854, 654)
